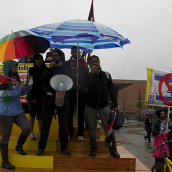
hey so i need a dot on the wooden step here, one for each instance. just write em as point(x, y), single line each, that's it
point(77, 161)
point(139, 167)
point(100, 162)
point(53, 144)
point(29, 161)
point(54, 129)
point(17, 169)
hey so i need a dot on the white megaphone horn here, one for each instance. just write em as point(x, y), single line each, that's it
point(61, 83)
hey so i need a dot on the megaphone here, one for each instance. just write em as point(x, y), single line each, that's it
point(61, 83)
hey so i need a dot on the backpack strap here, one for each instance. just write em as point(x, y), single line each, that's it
point(107, 75)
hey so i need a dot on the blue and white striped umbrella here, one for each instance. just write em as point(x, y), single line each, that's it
point(91, 35)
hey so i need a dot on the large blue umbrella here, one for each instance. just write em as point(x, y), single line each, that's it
point(91, 35)
point(86, 35)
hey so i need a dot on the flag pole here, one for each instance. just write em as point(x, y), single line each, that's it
point(168, 114)
point(77, 82)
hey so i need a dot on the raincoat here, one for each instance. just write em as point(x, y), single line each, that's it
point(13, 108)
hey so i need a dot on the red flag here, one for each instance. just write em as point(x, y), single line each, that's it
point(4, 79)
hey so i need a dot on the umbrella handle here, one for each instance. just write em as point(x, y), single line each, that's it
point(77, 82)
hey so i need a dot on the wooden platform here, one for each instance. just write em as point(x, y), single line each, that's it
point(79, 161)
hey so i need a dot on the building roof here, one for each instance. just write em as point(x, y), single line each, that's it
point(121, 85)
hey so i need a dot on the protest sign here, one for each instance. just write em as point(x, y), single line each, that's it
point(159, 88)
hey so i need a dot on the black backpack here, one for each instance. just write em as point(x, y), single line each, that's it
point(119, 119)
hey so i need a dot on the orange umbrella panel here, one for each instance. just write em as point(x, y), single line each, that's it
point(22, 46)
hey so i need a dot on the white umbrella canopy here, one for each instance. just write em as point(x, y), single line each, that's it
point(148, 111)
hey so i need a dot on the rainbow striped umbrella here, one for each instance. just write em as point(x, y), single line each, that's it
point(91, 35)
point(20, 44)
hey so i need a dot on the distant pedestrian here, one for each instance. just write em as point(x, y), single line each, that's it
point(148, 127)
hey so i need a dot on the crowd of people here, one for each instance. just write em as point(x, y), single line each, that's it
point(93, 88)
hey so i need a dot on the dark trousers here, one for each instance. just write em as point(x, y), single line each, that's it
point(81, 107)
point(47, 114)
point(148, 135)
point(6, 123)
point(91, 123)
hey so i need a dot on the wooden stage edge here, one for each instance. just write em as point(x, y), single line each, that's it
point(140, 167)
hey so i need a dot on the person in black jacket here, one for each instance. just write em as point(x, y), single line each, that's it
point(49, 106)
point(36, 94)
point(148, 127)
point(83, 70)
point(99, 84)
point(160, 127)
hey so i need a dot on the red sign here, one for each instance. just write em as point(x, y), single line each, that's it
point(164, 79)
point(23, 99)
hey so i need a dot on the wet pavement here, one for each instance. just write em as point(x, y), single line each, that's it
point(132, 138)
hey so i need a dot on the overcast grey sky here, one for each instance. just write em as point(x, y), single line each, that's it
point(146, 23)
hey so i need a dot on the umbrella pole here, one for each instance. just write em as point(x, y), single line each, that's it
point(168, 114)
point(77, 82)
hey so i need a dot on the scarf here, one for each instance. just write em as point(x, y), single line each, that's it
point(14, 81)
point(164, 125)
point(81, 62)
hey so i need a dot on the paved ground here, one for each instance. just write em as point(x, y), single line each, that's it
point(131, 137)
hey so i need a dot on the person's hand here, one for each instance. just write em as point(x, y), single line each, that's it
point(52, 64)
point(49, 58)
point(34, 102)
point(28, 77)
point(168, 119)
point(93, 69)
point(76, 70)
point(21, 85)
point(165, 132)
point(115, 109)
point(78, 87)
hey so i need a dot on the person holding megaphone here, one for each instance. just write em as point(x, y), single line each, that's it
point(51, 102)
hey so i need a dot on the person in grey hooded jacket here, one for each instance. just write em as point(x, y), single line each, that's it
point(12, 112)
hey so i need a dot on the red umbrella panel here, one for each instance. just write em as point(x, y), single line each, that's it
point(22, 46)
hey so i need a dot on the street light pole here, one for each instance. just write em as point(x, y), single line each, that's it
point(124, 105)
point(139, 101)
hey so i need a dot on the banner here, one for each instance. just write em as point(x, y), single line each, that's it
point(159, 88)
point(22, 71)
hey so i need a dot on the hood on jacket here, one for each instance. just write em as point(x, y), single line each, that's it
point(8, 64)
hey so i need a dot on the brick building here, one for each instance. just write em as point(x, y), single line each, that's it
point(129, 89)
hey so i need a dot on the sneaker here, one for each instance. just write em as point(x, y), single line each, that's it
point(80, 138)
point(40, 152)
point(32, 135)
point(65, 152)
point(38, 136)
point(68, 137)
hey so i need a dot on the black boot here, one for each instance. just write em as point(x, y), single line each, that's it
point(4, 154)
point(20, 142)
